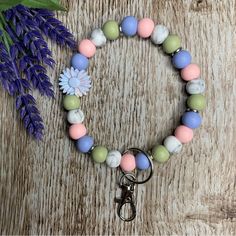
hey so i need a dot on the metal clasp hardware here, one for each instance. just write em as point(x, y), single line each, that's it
point(127, 183)
point(127, 197)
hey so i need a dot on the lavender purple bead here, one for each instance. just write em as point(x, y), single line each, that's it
point(129, 26)
point(181, 59)
point(142, 162)
point(191, 119)
point(84, 144)
point(79, 61)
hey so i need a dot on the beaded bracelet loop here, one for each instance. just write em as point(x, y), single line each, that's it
point(76, 83)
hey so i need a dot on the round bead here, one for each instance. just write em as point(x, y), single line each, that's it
point(184, 134)
point(71, 102)
point(191, 119)
point(87, 48)
point(99, 154)
point(142, 162)
point(127, 162)
point(98, 37)
point(111, 30)
point(181, 59)
point(171, 44)
point(75, 116)
point(190, 72)
point(196, 102)
point(160, 154)
point(79, 61)
point(113, 158)
point(84, 144)
point(129, 26)
point(195, 86)
point(172, 144)
point(77, 131)
point(159, 34)
point(145, 27)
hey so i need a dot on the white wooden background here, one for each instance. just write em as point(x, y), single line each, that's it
point(136, 100)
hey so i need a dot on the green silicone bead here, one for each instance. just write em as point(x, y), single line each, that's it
point(99, 154)
point(71, 102)
point(160, 154)
point(171, 44)
point(196, 102)
point(111, 30)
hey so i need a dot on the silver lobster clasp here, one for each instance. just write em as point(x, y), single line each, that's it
point(127, 183)
point(127, 197)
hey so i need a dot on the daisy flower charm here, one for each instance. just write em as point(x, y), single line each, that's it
point(74, 82)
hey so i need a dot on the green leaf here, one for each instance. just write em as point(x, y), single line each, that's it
point(49, 4)
point(6, 4)
point(5, 38)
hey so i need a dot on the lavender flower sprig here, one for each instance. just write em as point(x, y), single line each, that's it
point(14, 84)
point(10, 77)
point(30, 115)
point(53, 28)
point(35, 73)
point(43, 20)
point(24, 54)
point(30, 65)
point(28, 31)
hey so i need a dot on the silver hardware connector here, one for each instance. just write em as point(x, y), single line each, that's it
point(127, 197)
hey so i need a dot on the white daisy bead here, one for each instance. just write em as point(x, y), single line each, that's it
point(75, 116)
point(75, 82)
point(98, 37)
point(113, 158)
point(159, 34)
point(172, 144)
point(195, 86)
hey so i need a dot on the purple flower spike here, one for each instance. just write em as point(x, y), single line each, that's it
point(24, 54)
point(30, 65)
point(30, 115)
point(9, 73)
point(53, 28)
point(26, 28)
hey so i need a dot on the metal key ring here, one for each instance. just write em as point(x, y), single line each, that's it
point(126, 176)
point(150, 162)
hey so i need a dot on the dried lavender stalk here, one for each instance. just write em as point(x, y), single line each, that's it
point(24, 54)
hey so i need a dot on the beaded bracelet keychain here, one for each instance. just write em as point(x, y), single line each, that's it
point(75, 82)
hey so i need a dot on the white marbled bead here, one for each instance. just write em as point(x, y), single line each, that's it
point(159, 34)
point(75, 116)
point(195, 86)
point(113, 158)
point(98, 37)
point(172, 144)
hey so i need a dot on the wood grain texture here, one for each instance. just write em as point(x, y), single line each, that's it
point(136, 100)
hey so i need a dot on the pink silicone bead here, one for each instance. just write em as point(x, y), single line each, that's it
point(127, 162)
point(145, 27)
point(184, 134)
point(77, 131)
point(87, 48)
point(190, 72)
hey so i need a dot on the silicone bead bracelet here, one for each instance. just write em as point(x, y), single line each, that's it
point(76, 83)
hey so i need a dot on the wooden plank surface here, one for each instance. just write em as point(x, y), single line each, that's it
point(136, 100)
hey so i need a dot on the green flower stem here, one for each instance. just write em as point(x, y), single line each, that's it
point(5, 38)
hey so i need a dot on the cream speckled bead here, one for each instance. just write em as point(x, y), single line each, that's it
point(98, 38)
point(172, 144)
point(195, 86)
point(159, 34)
point(113, 158)
point(75, 116)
